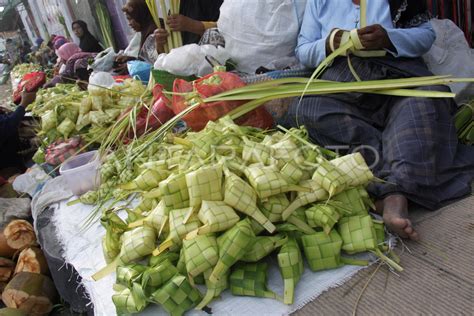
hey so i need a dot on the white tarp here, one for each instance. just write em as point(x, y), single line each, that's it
point(83, 250)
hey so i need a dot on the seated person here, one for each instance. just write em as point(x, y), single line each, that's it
point(410, 143)
point(88, 43)
point(73, 67)
point(9, 138)
point(194, 18)
point(261, 33)
point(141, 21)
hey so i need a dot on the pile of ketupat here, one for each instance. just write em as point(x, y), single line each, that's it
point(22, 69)
point(66, 111)
point(215, 204)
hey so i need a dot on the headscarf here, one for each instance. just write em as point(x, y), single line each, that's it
point(88, 43)
point(59, 42)
point(138, 10)
point(67, 50)
point(39, 41)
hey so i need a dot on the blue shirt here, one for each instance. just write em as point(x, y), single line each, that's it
point(322, 16)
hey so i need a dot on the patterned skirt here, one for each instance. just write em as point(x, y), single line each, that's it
point(410, 143)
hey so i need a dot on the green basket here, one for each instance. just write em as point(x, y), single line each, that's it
point(166, 79)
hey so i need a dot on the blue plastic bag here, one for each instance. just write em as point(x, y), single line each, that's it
point(139, 69)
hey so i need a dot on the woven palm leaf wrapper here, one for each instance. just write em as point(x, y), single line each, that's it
point(129, 274)
point(204, 141)
point(242, 197)
point(355, 168)
point(146, 180)
point(155, 277)
point(330, 178)
point(250, 279)
point(286, 151)
point(291, 266)
point(216, 216)
point(204, 184)
point(256, 153)
point(201, 254)
point(130, 301)
point(177, 296)
point(322, 251)
point(355, 199)
point(181, 264)
point(214, 289)
point(291, 230)
point(136, 244)
point(298, 218)
point(158, 218)
point(174, 191)
point(172, 257)
point(292, 172)
point(262, 247)
point(357, 233)
point(316, 193)
point(232, 247)
point(146, 205)
point(380, 233)
point(178, 228)
point(274, 206)
point(324, 216)
point(111, 242)
point(268, 181)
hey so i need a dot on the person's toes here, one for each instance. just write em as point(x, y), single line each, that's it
point(409, 230)
point(397, 225)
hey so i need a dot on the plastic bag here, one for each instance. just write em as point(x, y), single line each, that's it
point(140, 69)
point(208, 86)
point(30, 82)
point(451, 55)
point(100, 79)
point(190, 60)
point(104, 61)
point(259, 32)
point(30, 181)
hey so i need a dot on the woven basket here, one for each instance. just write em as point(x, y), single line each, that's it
point(167, 79)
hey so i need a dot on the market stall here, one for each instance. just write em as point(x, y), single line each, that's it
point(173, 189)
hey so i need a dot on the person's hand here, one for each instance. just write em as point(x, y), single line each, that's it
point(27, 98)
point(161, 38)
point(120, 64)
point(374, 37)
point(181, 23)
point(121, 59)
point(82, 85)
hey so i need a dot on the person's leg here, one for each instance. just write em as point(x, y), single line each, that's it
point(421, 159)
point(349, 121)
point(336, 124)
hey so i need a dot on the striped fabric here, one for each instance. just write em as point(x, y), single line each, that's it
point(61, 150)
point(409, 142)
point(459, 11)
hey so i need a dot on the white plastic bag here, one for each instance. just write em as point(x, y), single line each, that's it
point(133, 48)
point(190, 60)
point(30, 181)
point(104, 61)
point(451, 55)
point(259, 32)
point(100, 79)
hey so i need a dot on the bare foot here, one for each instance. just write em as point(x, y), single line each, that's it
point(395, 216)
